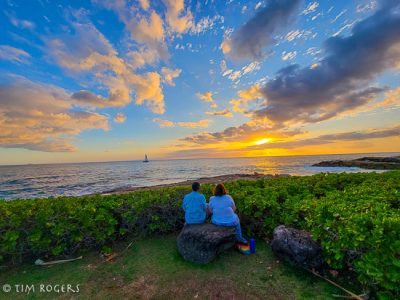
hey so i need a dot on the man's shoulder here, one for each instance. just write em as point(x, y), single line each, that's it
point(200, 195)
point(188, 195)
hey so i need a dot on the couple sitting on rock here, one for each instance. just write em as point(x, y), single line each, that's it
point(221, 207)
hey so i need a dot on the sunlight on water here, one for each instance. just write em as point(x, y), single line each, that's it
point(33, 181)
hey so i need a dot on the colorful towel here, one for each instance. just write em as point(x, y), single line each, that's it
point(243, 248)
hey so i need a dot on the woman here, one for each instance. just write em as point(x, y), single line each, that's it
point(222, 207)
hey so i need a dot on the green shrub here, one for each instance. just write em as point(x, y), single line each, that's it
point(355, 218)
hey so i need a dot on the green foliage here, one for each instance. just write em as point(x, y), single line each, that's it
point(355, 218)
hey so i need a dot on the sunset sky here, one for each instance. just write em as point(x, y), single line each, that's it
point(112, 80)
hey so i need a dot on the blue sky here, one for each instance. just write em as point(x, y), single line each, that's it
point(101, 80)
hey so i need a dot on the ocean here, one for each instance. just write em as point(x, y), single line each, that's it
point(76, 179)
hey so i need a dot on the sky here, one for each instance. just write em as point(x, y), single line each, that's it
point(112, 80)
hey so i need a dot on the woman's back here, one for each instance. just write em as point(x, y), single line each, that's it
point(223, 210)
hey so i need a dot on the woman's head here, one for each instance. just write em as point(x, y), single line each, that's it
point(220, 190)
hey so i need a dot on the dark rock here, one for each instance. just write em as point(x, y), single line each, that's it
point(202, 243)
point(297, 246)
point(377, 163)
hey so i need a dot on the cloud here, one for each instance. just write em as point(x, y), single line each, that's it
point(245, 96)
point(332, 138)
point(244, 132)
point(14, 54)
point(169, 75)
point(119, 118)
point(142, 57)
point(20, 23)
point(207, 97)
point(392, 98)
point(361, 8)
point(339, 15)
point(288, 55)
point(41, 117)
point(310, 8)
point(250, 40)
point(340, 82)
point(292, 35)
point(205, 24)
point(144, 4)
point(145, 30)
point(224, 113)
point(198, 124)
point(89, 53)
point(177, 18)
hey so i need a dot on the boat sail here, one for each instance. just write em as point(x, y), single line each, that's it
point(145, 158)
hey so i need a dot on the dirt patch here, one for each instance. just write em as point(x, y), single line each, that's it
point(191, 288)
point(143, 287)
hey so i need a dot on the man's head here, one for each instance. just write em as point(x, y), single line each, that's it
point(196, 186)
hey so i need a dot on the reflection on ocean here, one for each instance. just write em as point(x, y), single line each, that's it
point(33, 181)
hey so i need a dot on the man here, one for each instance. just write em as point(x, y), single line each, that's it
point(194, 205)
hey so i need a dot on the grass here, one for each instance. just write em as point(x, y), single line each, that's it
point(153, 269)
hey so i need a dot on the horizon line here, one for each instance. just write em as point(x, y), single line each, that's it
point(193, 158)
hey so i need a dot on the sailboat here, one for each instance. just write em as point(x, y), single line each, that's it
point(145, 158)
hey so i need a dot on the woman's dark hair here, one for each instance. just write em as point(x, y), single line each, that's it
point(220, 190)
point(195, 186)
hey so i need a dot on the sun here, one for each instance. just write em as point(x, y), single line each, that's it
point(263, 141)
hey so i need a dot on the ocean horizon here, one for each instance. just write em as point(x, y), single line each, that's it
point(77, 179)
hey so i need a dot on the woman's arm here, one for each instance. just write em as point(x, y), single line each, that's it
point(233, 204)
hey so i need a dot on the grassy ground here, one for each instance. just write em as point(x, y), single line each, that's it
point(152, 269)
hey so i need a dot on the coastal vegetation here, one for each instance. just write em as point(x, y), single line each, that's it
point(355, 218)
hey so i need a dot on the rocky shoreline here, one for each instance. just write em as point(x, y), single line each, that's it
point(203, 180)
point(376, 163)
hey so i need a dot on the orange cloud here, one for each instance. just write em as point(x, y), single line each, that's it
point(170, 75)
point(39, 117)
point(119, 118)
point(177, 18)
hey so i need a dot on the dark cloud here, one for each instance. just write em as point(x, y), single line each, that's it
point(250, 40)
point(331, 138)
point(341, 80)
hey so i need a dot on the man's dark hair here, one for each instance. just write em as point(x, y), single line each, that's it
point(195, 186)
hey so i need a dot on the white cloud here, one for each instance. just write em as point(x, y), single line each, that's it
point(251, 67)
point(14, 54)
point(23, 24)
point(206, 24)
point(339, 15)
point(198, 124)
point(310, 8)
point(289, 55)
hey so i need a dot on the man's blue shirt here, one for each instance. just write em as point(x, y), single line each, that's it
point(194, 205)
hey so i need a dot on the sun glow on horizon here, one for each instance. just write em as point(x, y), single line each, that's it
point(263, 141)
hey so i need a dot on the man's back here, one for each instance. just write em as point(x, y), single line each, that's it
point(194, 205)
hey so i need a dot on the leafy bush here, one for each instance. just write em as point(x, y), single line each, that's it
point(355, 217)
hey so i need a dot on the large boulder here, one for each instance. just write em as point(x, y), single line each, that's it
point(201, 243)
point(297, 247)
